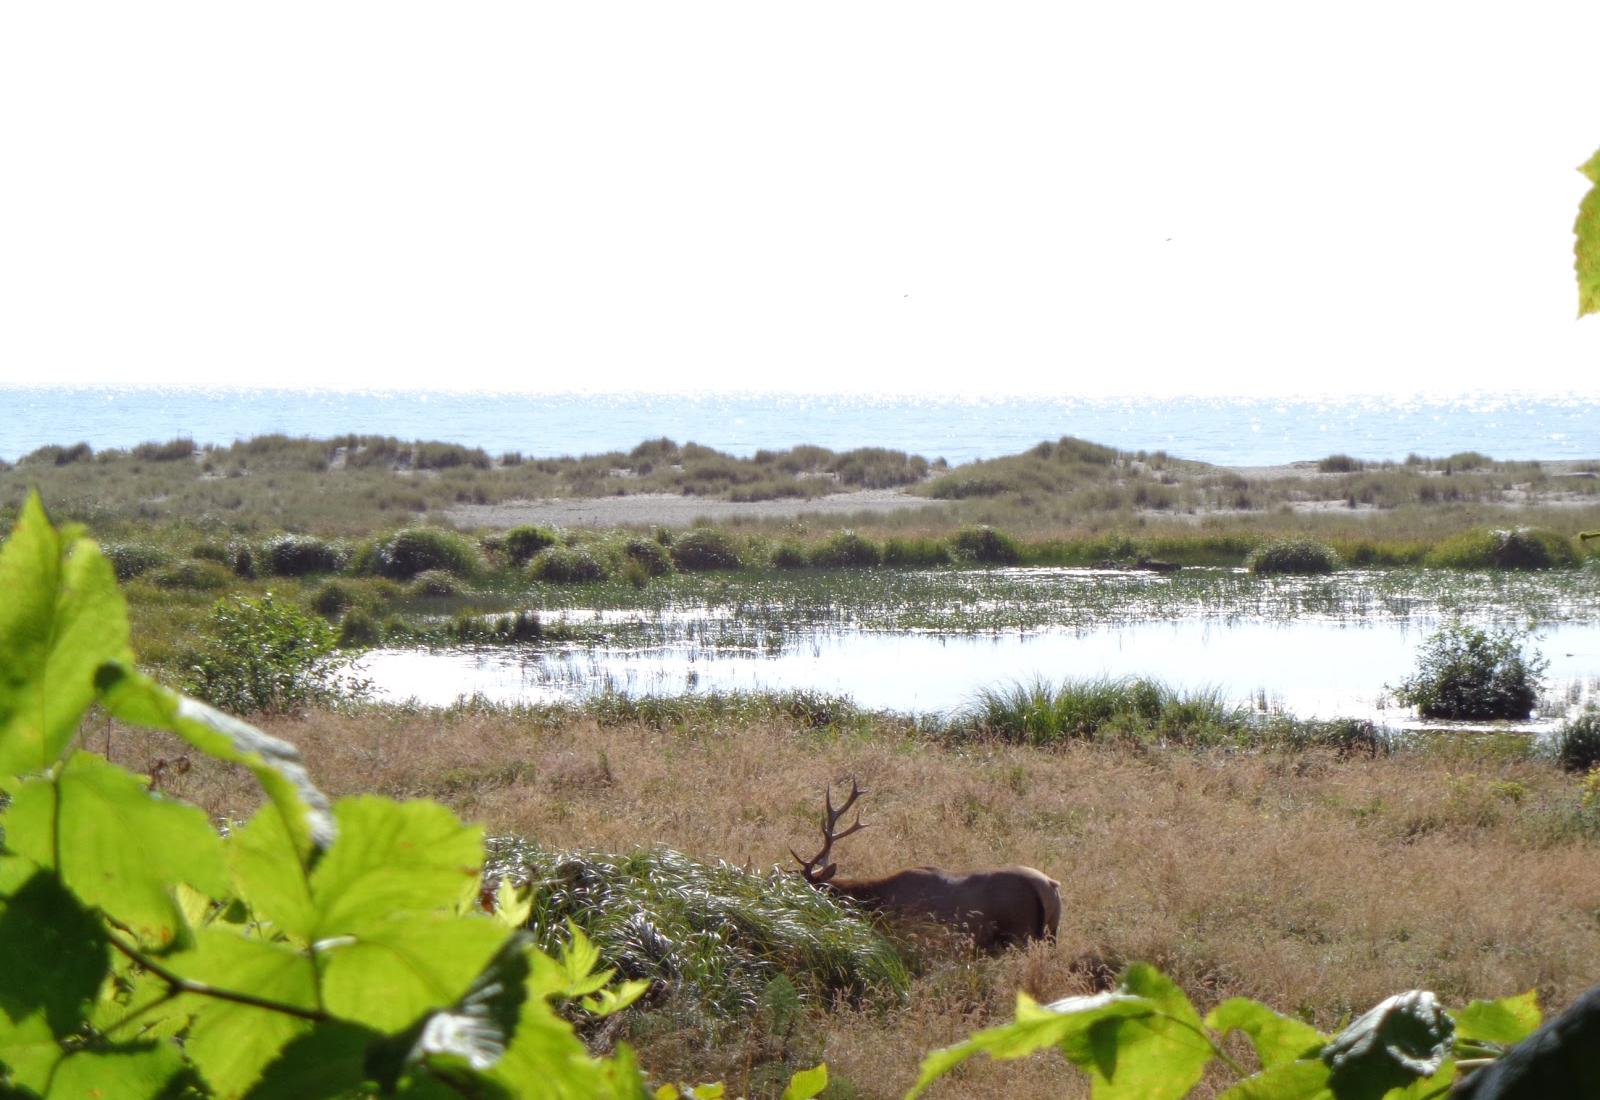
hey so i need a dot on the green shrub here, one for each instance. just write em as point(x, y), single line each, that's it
point(566, 565)
point(985, 545)
point(417, 549)
point(210, 551)
point(242, 559)
point(1577, 742)
point(55, 455)
point(132, 559)
point(916, 553)
point(172, 450)
point(1467, 673)
point(846, 549)
point(359, 630)
point(433, 582)
point(333, 598)
point(522, 543)
point(790, 554)
point(649, 555)
point(300, 555)
point(1340, 464)
point(1518, 548)
point(1301, 556)
point(195, 576)
point(267, 655)
point(703, 550)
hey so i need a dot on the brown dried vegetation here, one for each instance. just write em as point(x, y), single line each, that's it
point(1316, 884)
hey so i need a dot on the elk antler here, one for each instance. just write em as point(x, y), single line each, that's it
point(808, 867)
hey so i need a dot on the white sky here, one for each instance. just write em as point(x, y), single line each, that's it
point(1056, 198)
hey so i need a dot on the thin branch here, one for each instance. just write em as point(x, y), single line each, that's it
point(180, 984)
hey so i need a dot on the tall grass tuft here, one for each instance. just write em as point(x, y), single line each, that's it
point(566, 565)
point(406, 553)
point(846, 549)
point(985, 545)
point(1301, 556)
point(300, 555)
point(522, 543)
point(704, 549)
point(1577, 742)
point(1517, 548)
point(1042, 713)
point(711, 936)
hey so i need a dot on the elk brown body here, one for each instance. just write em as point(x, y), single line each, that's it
point(999, 907)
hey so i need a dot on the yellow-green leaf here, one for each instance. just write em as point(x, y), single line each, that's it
point(121, 848)
point(1276, 1037)
point(806, 1083)
point(276, 764)
point(61, 617)
point(1506, 1021)
point(1587, 245)
point(391, 970)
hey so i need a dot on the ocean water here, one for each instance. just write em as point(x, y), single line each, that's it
point(1228, 431)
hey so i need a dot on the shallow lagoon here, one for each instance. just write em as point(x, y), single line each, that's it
point(927, 642)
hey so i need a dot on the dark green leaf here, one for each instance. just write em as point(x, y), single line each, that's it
point(1406, 1037)
point(231, 1043)
point(121, 848)
point(139, 1073)
point(53, 951)
point(60, 618)
point(328, 1061)
point(1276, 1038)
point(276, 764)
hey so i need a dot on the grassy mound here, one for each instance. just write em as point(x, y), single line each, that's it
point(1300, 556)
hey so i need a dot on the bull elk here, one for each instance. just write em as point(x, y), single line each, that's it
point(1007, 905)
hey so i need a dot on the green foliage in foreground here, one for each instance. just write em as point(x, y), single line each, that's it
point(1301, 556)
point(1466, 672)
point(329, 951)
point(1587, 245)
point(1145, 1040)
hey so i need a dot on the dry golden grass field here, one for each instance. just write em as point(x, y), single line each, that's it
point(1316, 884)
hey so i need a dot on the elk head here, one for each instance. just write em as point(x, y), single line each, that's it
point(819, 868)
point(996, 907)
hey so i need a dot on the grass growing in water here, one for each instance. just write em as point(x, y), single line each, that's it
point(1041, 713)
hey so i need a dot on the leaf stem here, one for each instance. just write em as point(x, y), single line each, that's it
point(180, 984)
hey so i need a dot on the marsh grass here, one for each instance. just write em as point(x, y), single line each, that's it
point(1316, 881)
point(1042, 713)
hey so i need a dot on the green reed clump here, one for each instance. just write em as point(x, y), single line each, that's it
point(434, 583)
point(704, 549)
point(1515, 548)
point(1577, 742)
point(173, 450)
point(522, 543)
point(333, 598)
point(417, 549)
point(132, 559)
point(790, 554)
point(1340, 464)
point(985, 545)
point(300, 555)
point(1042, 713)
point(652, 557)
point(566, 565)
point(519, 626)
point(846, 549)
point(711, 935)
point(809, 709)
point(916, 553)
point(1297, 556)
point(194, 576)
point(358, 629)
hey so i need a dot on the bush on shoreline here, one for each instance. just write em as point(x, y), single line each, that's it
point(1516, 548)
point(1297, 556)
point(1468, 673)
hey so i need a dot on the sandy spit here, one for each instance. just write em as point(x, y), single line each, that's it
point(671, 510)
